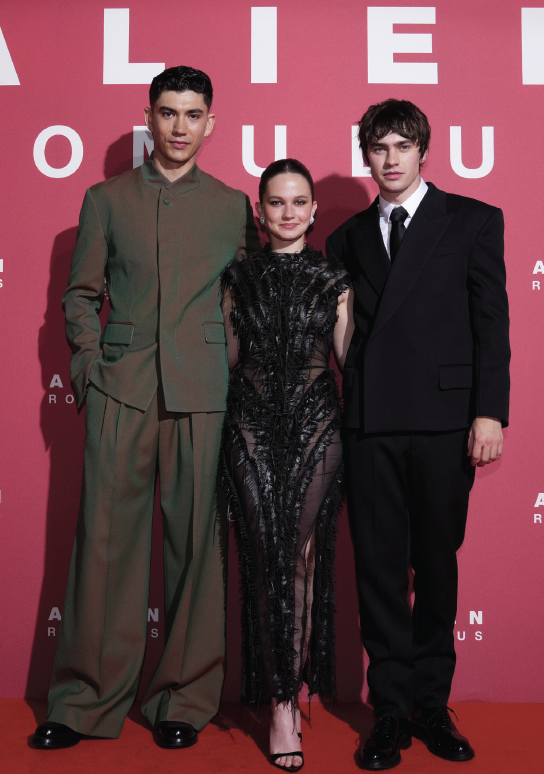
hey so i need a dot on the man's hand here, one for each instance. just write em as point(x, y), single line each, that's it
point(485, 441)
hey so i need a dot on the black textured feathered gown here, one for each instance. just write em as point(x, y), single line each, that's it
point(283, 467)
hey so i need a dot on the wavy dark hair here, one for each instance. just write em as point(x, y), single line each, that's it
point(398, 116)
point(181, 79)
point(282, 167)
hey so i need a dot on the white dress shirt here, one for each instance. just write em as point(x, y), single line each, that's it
point(410, 205)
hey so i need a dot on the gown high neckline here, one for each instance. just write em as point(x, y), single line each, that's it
point(294, 257)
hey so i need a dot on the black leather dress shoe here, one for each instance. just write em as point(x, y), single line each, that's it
point(173, 734)
point(54, 736)
point(438, 731)
point(382, 748)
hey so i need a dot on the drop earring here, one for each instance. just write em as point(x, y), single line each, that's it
point(312, 220)
point(261, 220)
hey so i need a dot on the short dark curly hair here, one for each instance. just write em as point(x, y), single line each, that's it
point(398, 116)
point(181, 79)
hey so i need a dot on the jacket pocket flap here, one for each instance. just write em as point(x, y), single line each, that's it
point(455, 377)
point(214, 333)
point(450, 249)
point(118, 333)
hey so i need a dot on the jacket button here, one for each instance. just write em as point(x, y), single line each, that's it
point(166, 201)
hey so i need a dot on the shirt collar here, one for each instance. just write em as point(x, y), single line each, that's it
point(410, 205)
point(157, 180)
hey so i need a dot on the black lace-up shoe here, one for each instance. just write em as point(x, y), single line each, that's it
point(382, 748)
point(438, 731)
point(54, 736)
point(173, 735)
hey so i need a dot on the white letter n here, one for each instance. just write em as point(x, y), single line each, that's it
point(141, 138)
point(117, 68)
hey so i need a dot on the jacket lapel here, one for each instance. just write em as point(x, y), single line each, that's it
point(365, 241)
point(422, 235)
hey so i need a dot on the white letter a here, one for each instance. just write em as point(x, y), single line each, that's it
point(8, 74)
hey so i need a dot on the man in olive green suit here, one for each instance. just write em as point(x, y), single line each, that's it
point(155, 383)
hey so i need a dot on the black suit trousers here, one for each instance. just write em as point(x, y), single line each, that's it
point(407, 501)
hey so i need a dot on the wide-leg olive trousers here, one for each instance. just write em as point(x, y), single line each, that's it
point(104, 623)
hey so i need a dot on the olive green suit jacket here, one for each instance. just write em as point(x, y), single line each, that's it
point(161, 247)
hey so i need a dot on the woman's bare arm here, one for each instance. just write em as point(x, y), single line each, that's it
point(233, 354)
point(343, 330)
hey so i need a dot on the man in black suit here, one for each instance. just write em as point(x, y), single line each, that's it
point(426, 386)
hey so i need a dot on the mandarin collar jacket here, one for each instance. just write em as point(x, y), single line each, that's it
point(161, 248)
point(155, 179)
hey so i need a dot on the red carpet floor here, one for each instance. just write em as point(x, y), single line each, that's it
point(508, 738)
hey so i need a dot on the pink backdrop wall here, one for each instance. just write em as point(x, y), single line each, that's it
point(484, 68)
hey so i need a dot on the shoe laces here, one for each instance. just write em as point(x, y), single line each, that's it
point(441, 717)
point(385, 726)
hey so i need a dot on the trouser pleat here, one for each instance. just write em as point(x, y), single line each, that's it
point(187, 683)
point(104, 624)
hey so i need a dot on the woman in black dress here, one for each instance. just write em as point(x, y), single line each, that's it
point(285, 307)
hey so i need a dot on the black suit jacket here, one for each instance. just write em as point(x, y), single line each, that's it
point(430, 349)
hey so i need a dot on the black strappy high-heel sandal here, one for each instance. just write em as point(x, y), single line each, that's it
point(274, 758)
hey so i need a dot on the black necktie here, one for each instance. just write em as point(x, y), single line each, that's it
point(397, 218)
